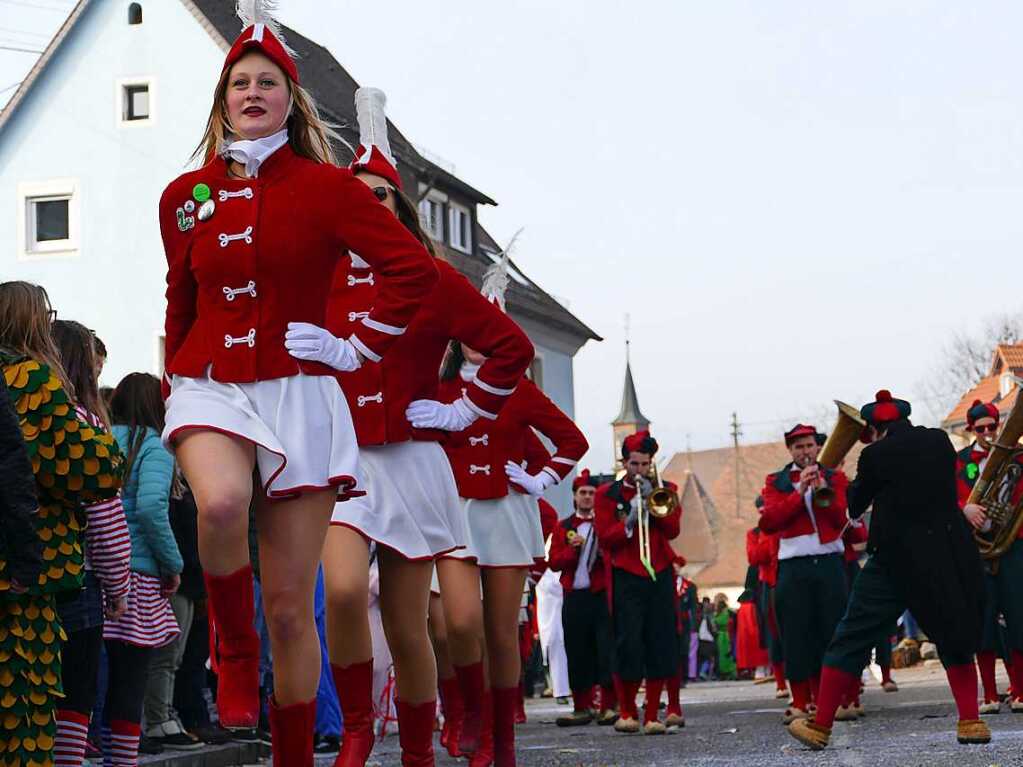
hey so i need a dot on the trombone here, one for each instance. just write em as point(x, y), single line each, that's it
point(659, 502)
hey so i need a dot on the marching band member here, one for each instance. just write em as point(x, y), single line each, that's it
point(505, 537)
point(576, 554)
point(249, 237)
point(922, 557)
point(410, 507)
point(810, 596)
point(762, 550)
point(1002, 594)
point(646, 638)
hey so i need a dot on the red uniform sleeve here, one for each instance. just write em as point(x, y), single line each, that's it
point(562, 556)
point(779, 508)
point(753, 555)
point(482, 326)
point(570, 444)
point(856, 533)
point(407, 270)
point(537, 454)
point(610, 529)
point(181, 285)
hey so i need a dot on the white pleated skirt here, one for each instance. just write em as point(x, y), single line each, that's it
point(411, 504)
point(300, 425)
point(503, 532)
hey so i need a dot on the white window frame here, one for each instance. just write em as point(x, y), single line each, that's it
point(53, 189)
point(120, 88)
point(433, 228)
point(454, 211)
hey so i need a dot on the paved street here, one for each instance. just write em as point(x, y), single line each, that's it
point(739, 724)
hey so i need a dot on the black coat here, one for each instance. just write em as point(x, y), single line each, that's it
point(918, 532)
point(19, 544)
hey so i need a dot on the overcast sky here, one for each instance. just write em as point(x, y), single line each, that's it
point(794, 201)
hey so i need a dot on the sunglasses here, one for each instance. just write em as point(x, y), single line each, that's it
point(984, 428)
point(382, 191)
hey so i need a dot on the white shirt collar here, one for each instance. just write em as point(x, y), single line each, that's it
point(253, 152)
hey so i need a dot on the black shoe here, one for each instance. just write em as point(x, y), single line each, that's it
point(575, 719)
point(212, 734)
point(150, 746)
point(326, 744)
point(244, 735)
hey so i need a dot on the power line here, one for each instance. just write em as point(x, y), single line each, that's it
point(19, 50)
point(24, 32)
point(12, 85)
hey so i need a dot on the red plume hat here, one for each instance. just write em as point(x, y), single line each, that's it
point(885, 409)
point(641, 442)
point(262, 33)
point(583, 479)
point(373, 154)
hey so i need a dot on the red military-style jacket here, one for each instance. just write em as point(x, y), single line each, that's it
point(762, 551)
point(969, 461)
point(854, 535)
point(264, 259)
point(479, 453)
point(564, 557)
point(785, 510)
point(614, 502)
point(379, 394)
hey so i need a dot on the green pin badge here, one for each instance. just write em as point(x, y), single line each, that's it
point(201, 192)
point(972, 470)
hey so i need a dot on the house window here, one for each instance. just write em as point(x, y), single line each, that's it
point(136, 102)
point(461, 228)
point(536, 371)
point(135, 13)
point(47, 218)
point(431, 213)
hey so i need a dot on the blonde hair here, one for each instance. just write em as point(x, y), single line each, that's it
point(25, 326)
point(308, 134)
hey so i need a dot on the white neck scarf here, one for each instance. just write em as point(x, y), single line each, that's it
point(252, 153)
point(468, 371)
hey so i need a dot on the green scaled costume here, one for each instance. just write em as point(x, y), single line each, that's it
point(74, 464)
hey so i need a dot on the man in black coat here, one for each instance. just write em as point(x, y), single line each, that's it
point(922, 557)
point(19, 544)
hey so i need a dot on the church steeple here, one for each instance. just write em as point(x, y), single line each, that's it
point(630, 418)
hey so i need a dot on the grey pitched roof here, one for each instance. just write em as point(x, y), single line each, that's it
point(630, 412)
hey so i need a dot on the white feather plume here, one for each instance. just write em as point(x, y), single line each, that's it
point(262, 12)
point(371, 112)
point(495, 278)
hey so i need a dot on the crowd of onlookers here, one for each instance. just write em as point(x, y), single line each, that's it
point(136, 668)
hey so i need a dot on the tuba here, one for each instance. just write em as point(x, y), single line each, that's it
point(996, 486)
point(846, 433)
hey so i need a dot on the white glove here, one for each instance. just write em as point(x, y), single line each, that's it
point(430, 414)
point(305, 341)
point(534, 484)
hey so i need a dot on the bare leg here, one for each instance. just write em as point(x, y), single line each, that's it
point(291, 535)
point(439, 637)
point(463, 610)
point(502, 596)
point(219, 472)
point(404, 603)
point(346, 578)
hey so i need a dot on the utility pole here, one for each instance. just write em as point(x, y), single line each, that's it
point(736, 433)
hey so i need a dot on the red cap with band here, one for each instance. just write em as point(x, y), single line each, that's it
point(640, 442)
point(261, 33)
point(799, 430)
point(980, 410)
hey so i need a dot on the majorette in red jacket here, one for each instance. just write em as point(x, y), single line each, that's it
point(264, 258)
point(565, 557)
point(479, 453)
point(762, 551)
point(614, 502)
point(379, 394)
point(785, 511)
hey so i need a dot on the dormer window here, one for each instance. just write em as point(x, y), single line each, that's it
point(135, 13)
point(460, 226)
point(1005, 384)
point(431, 215)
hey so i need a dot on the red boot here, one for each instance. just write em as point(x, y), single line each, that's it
point(415, 733)
point(506, 701)
point(470, 683)
point(354, 686)
point(232, 610)
point(454, 716)
point(520, 706)
point(483, 756)
point(291, 728)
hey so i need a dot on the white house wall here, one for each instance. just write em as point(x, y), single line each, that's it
point(67, 127)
